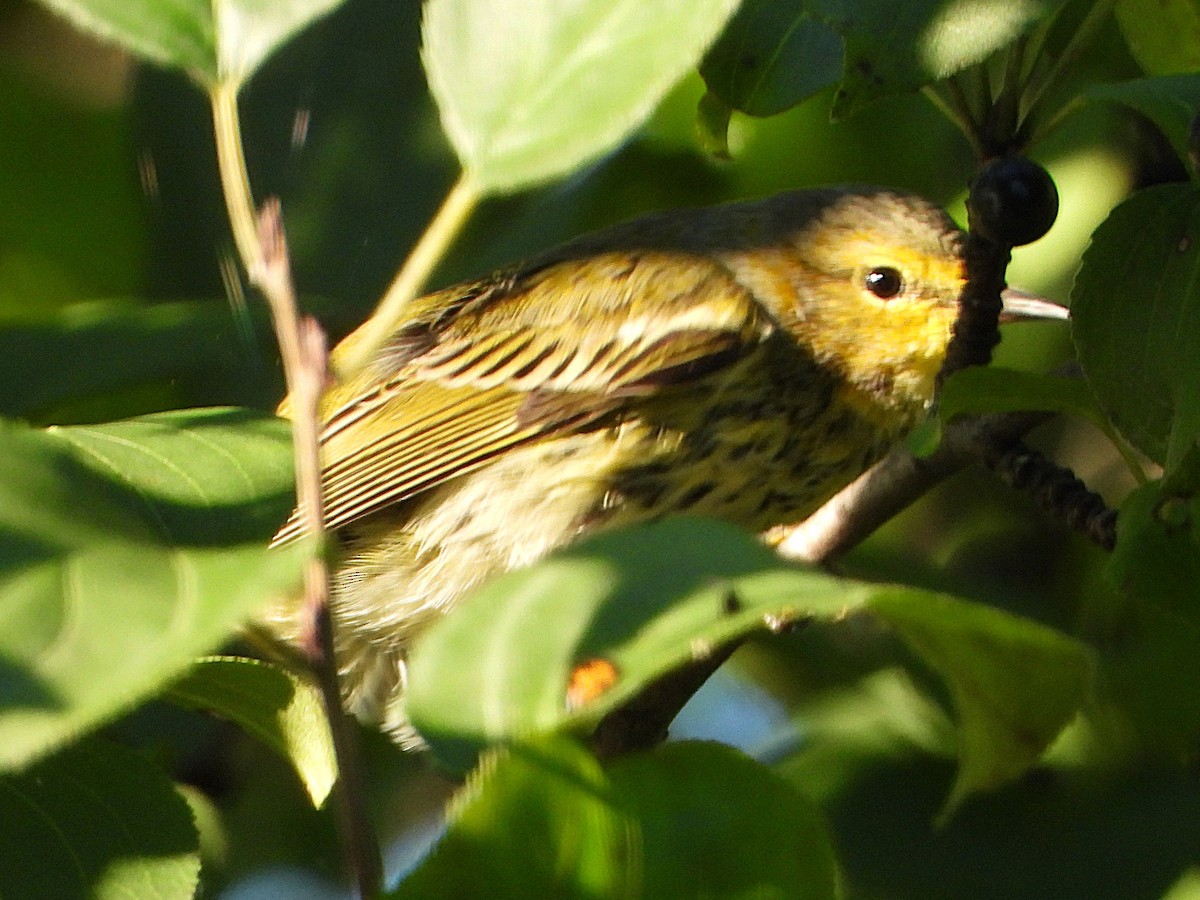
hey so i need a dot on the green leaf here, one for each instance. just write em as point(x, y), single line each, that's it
point(712, 125)
point(179, 34)
point(96, 821)
point(90, 351)
point(1157, 557)
point(993, 389)
point(212, 41)
point(1163, 35)
point(1135, 310)
point(530, 91)
point(644, 601)
point(1169, 101)
point(772, 56)
point(647, 600)
point(981, 390)
point(1015, 684)
point(896, 48)
point(273, 705)
point(659, 824)
point(1158, 653)
point(126, 550)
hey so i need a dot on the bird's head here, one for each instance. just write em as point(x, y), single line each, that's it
point(875, 278)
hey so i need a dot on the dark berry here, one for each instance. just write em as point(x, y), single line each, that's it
point(1013, 201)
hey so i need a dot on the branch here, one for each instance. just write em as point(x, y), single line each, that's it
point(305, 361)
point(894, 483)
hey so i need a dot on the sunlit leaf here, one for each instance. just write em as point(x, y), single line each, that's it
point(529, 91)
point(273, 705)
point(212, 41)
point(126, 550)
point(619, 611)
point(643, 601)
point(898, 47)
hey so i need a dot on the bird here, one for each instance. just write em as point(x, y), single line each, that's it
point(743, 361)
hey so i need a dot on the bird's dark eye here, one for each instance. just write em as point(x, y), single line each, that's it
point(884, 282)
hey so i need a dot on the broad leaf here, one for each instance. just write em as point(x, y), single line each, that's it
point(212, 41)
point(992, 389)
point(982, 390)
point(617, 612)
point(126, 550)
point(1163, 35)
point(90, 352)
point(898, 47)
point(1159, 652)
point(1014, 683)
point(273, 705)
point(1169, 101)
point(772, 55)
point(82, 227)
point(1136, 319)
point(96, 821)
point(1157, 557)
point(529, 91)
point(659, 824)
point(643, 602)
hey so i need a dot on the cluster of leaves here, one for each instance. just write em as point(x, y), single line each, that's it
point(129, 549)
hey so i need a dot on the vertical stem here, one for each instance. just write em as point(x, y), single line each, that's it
point(1004, 115)
point(357, 349)
point(359, 842)
point(235, 181)
point(305, 360)
point(980, 80)
point(976, 330)
point(1035, 93)
point(957, 117)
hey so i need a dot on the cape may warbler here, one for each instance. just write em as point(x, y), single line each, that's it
point(744, 361)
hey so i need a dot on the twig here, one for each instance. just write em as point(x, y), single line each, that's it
point(897, 481)
point(1004, 114)
point(1037, 86)
point(305, 359)
point(1056, 489)
point(960, 113)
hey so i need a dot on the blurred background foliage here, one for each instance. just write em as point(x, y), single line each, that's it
point(113, 240)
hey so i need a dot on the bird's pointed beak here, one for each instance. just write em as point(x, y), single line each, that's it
point(1022, 307)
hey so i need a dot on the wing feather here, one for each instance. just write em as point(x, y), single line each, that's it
point(477, 370)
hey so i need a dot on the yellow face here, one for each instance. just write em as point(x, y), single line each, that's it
point(876, 295)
